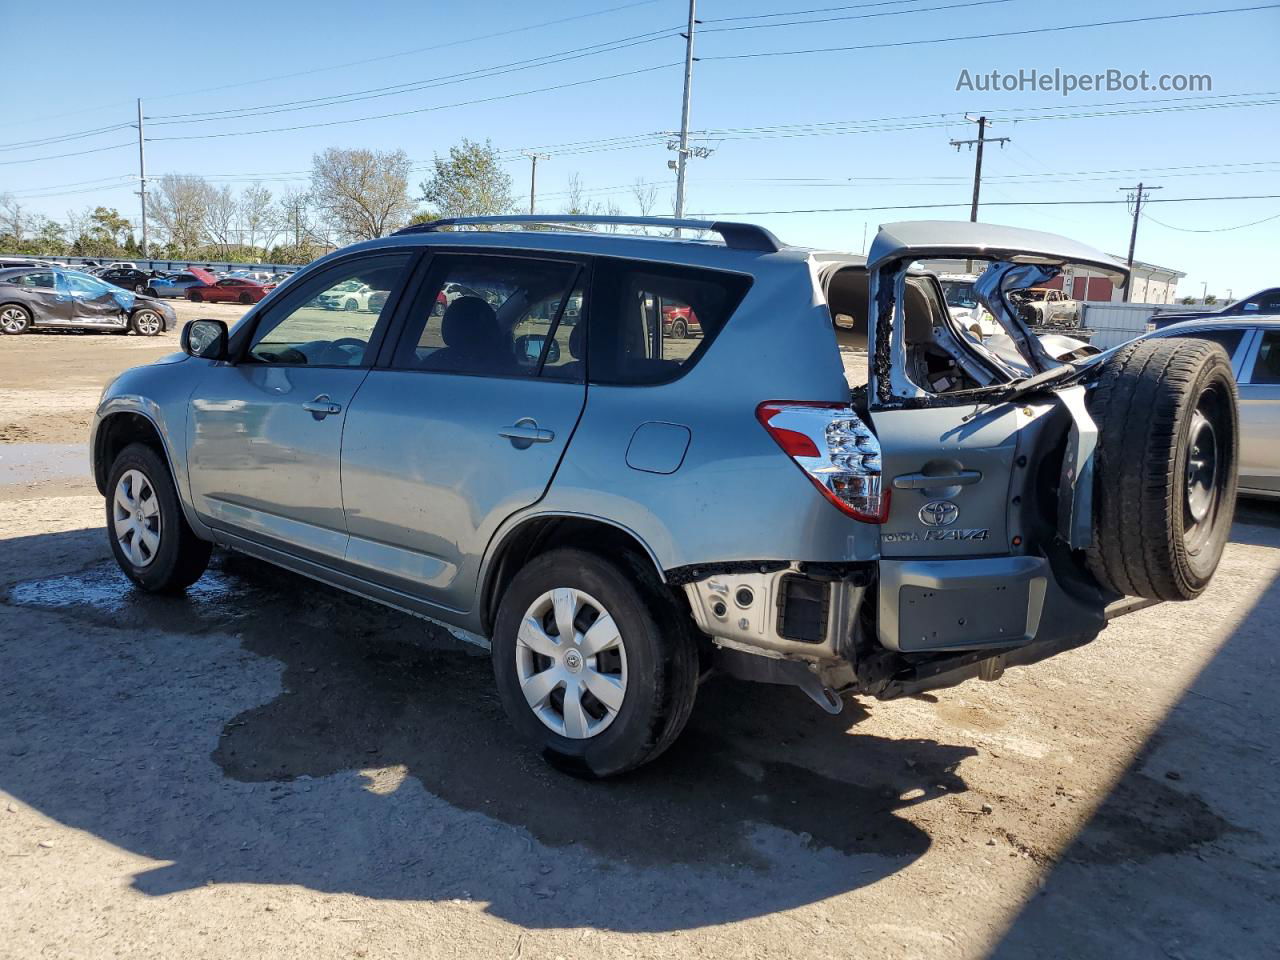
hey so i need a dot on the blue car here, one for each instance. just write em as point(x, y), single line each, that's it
point(177, 284)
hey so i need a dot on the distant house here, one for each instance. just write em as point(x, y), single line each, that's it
point(1151, 284)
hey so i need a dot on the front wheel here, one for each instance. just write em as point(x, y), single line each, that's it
point(246, 299)
point(149, 536)
point(146, 323)
point(139, 287)
point(195, 296)
point(594, 664)
point(14, 319)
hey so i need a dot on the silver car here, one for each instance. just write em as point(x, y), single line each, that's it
point(1254, 347)
point(835, 487)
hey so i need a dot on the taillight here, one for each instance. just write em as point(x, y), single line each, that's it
point(835, 449)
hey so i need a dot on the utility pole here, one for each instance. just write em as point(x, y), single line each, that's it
point(980, 142)
point(142, 180)
point(682, 157)
point(533, 176)
point(1137, 194)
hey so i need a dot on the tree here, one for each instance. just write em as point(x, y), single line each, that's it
point(14, 221)
point(108, 227)
point(362, 193)
point(258, 219)
point(179, 208)
point(220, 217)
point(469, 182)
point(645, 196)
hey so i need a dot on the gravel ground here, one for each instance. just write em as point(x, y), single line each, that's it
point(267, 768)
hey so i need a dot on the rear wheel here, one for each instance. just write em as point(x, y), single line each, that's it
point(679, 330)
point(139, 287)
point(149, 536)
point(594, 664)
point(350, 305)
point(14, 319)
point(1165, 474)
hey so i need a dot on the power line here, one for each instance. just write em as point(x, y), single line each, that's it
point(800, 13)
point(405, 113)
point(62, 138)
point(406, 53)
point(992, 36)
point(59, 156)
point(856, 16)
point(480, 73)
point(997, 203)
point(1239, 226)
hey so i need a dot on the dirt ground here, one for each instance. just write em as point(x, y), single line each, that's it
point(265, 767)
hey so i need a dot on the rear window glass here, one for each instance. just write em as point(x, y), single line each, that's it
point(650, 323)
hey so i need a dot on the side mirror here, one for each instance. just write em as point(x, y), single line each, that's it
point(206, 339)
point(528, 348)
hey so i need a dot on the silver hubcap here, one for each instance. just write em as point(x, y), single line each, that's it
point(148, 323)
point(571, 663)
point(135, 513)
point(1202, 467)
point(13, 319)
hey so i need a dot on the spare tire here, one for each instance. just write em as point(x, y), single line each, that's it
point(1164, 468)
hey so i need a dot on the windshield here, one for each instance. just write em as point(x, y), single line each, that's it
point(960, 293)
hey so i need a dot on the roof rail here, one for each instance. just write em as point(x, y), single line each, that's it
point(738, 236)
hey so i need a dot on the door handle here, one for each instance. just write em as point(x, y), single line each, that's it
point(923, 481)
point(525, 432)
point(322, 407)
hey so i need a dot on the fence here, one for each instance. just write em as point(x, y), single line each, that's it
point(1114, 323)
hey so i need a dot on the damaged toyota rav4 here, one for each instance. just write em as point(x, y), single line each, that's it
point(837, 486)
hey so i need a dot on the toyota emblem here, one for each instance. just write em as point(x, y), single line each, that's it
point(939, 513)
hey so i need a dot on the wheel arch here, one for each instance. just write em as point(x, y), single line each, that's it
point(536, 535)
point(115, 432)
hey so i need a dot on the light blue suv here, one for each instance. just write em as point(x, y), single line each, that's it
point(836, 486)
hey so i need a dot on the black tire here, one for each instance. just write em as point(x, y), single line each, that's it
point(246, 299)
point(150, 292)
point(351, 305)
point(14, 319)
point(661, 658)
point(181, 556)
point(195, 296)
point(140, 325)
point(139, 287)
point(680, 330)
point(1163, 498)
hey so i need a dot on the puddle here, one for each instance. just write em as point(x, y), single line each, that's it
point(30, 462)
point(104, 594)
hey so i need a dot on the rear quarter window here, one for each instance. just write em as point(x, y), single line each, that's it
point(650, 323)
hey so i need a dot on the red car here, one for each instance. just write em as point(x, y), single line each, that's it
point(231, 290)
point(680, 323)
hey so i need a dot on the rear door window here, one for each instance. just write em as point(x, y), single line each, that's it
point(500, 316)
point(651, 322)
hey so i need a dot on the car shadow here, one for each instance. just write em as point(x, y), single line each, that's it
point(263, 729)
point(1180, 857)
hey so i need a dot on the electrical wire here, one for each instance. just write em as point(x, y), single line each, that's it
point(997, 203)
point(1239, 226)
point(1030, 31)
point(419, 110)
point(59, 156)
point(853, 16)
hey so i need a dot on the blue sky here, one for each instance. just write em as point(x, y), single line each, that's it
point(181, 62)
